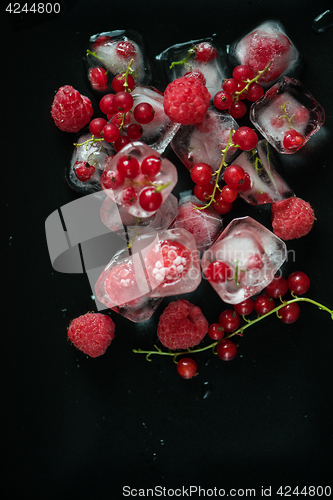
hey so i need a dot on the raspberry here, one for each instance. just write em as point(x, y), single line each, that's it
point(71, 111)
point(291, 218)
point(181, 325)
point(186, 100)
point(92, 333)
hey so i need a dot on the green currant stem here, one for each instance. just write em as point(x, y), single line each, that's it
point(218, 171)
point(283, 107)
point(127, 72)
point(90, 53)
point(237, 332)
point(186, 58)
point(93, 140)
point(159, 187)
point(248, 82)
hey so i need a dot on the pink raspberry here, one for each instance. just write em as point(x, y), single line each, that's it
point(71, 111)
point(186, 100)
point(291, 218)
point(92, 333)
point(181, 325)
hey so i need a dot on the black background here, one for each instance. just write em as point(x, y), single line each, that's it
point(82, 428)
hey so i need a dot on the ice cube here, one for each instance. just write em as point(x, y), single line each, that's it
point(265, 43)
point(205, 224)
point(94, 153)
point(214, 70)
point(267, 185)
point(204, 142)
point(116, 218)
point(113, 50)
point(253, 254)
point(171, 261)
point(286, 107)
point(117, 288)
point(164, 180)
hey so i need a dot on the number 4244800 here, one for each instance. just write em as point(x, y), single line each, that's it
point(35, 8)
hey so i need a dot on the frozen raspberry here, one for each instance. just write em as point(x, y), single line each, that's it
point(186, 100)
point(181, 325)
point(122, 286)
point(92, 333)
point(291, 218)
point(71, 111)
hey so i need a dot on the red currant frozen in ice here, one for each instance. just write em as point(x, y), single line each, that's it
point(254, 261)
point(187, 368)
point(245, 138)
point(101, 40)
point(290, 313)
point(151, 165)
point(201, 173)
point(106, 104)
point(110, 132)
point(150, 199)
point(229, 194)
point(230, 320)
point(277, 288)
point(121, 142)
point(244, 184)
point(118, 83)
point(112, 179)
point(233, 175)
point(254, 92)
point(226, 350)
point(128, 166)
point(218, 272)
point(242, 73)
point(237, 109)
point(125, 49)
point(203, 191)
point(222, 100)
point(205, 52)
point(229, 85)
point(298, 282)
point(293, 140)
point(98, 78)
point(83, 171)
point(216, 331)
point(245, 307)
point(129, 196)
point(96, 126)
point(144, 113)
point(121, 119)
point(134, 131)
point(220, 205)
point(123, 101)
point(263, 304)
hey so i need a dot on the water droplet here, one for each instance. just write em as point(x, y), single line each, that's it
point(162, 442)
point(305, 415)
point(322, 22)
point(207, 390)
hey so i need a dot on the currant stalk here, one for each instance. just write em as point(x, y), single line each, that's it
point(186, 58)
point(248, 82)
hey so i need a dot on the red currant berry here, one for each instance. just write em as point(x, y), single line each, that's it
point(129, 196)
point(263, 304)
point(254, 92)
point(125, 50)
point(151, 165)
point(83, 171)
point(201, 173)
point(220, 205)
point(106, 104)
point(204, 52)
point(245, 138)
point(237, 110)
point(98, 78)
point(244, 184)
point(244, 308)
point(298, 283)
point(128, 166)
point(242, 73)
point(110, 132)
point(216, 331)
point(111, 179)
point(118, 83)
point(150, 199)
point(123, 101)
point(203, 191)
point(229, 85)
point(121, 119)
point(277, 288)
point(101, 40)
point(134, 131)
point(239, 92)
point(144, 113)
point(222, 100)
point(293, 140)
point(229, 194)
point(226, 350)
point(187, 368)
point(233, 175)
point(121, 142)
point(254, 261)
point(96, 126)
point(290, 313)
point(230, 320)
point(218, 272)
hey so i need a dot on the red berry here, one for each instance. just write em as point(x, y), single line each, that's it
point(118, 83)
point(290, 313)
point(216, 331)
point(100, 41)
point(222, 100)
point(244, 184)
point(128, 166)
point(244, 308)
point(92, 333)
point(112, 179)
point(83, 171)
point(292, 218)
point(110, 132)
point(293, 140)
point(123, 101)
point(121, 142)
point(129, 196)
point(229, 194)
point(98, 78)
point(196, 74)
point(230, 320)
point(226, 350)
point(220, 205)
point(143, 113)
point(151, 165)
point(205, 52)
point(201, 173)
point(242, 73)
point(106, 105)
point(254, 92)
point(277, 288)
point(229, 85)
point(96, 126)
point(125, 49)
point(71, 111)
point(263, 304)
point(245, 138)
point(187, 368)
point(237, 109)
point(233, 175)
point(150, 199)
point(298, 282)
point(134, 131)
point(121, 119)
point(203, 191)
point(218, 272)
